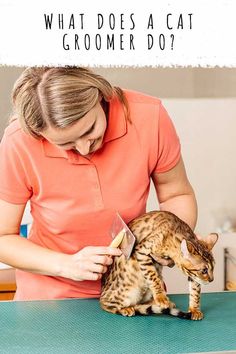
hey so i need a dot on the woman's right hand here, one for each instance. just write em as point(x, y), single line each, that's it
point(89, 263)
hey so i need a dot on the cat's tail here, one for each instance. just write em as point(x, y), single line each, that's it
point(177, 313)
point(145, 309)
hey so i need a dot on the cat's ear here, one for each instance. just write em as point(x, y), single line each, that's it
point(210, 240)
point(184, 248)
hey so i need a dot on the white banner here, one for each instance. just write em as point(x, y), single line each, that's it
point(122, 33)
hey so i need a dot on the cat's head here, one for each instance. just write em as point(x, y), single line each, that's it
point(197, 259)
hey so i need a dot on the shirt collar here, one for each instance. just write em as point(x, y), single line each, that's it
point(51, 150)
point(116, 128)
point(117, 123)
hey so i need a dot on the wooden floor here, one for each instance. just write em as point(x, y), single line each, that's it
point(7, 284)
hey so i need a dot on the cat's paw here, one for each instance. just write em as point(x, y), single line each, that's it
point(196, 315)
point(127, 311)
point(162, 301)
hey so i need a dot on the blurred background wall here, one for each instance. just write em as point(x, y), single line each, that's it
point(202, 105)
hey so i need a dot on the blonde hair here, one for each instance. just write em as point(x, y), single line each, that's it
point(59, 96)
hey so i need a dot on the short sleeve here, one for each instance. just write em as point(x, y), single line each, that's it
point(169, 149)
point(14, 187)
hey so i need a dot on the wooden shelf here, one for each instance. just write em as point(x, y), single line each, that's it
point(7, 284)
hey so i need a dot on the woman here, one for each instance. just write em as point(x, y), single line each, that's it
point(79, 150)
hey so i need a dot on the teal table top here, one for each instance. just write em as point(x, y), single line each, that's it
point(80, 326)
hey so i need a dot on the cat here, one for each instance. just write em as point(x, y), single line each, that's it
point(135, 285)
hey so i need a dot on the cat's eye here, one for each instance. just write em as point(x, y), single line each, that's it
point(204, 271)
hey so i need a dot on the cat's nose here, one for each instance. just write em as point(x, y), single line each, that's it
point(211, 278)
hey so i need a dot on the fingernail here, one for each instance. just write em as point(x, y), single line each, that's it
point(120, 252)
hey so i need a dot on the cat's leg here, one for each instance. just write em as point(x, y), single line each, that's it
point(154, 280)
point(194, 300)
point(116, 309)
point(120, 302)
point(127, 311)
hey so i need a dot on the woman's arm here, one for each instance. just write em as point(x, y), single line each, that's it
point(21, 253)
point(175, 194)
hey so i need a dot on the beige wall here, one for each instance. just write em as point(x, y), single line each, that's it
point(207, 132)
point(175, 82)
point(8, 76)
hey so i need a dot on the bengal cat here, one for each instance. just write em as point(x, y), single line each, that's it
point(135, 285)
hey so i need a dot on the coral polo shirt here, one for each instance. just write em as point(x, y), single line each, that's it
point(73, 198)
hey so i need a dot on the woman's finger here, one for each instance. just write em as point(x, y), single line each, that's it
point(104, 260)
point(97, 268)
point(111, 251)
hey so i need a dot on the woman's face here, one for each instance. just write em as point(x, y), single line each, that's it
point(85, 136)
